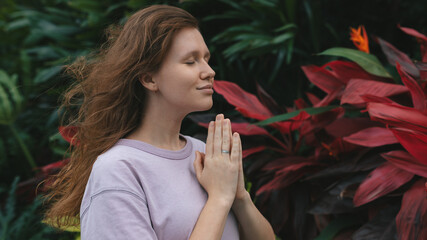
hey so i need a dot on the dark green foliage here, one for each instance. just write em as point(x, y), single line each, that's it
point(24, 223)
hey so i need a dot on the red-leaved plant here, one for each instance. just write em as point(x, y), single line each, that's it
point(352, 164)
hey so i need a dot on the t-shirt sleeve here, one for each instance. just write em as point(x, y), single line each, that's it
point(117, 214)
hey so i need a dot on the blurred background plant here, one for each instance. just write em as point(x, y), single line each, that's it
point(258, 44)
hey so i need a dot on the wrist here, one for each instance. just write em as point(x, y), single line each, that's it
point(242, 200)
point(222, 201)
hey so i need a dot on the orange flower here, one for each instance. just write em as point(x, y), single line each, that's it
point(360, 39)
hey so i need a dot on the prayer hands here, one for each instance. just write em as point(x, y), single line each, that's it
point(220, 170)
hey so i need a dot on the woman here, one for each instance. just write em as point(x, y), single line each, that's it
point(132, 175)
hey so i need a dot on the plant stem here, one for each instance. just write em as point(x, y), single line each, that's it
point(24, 148)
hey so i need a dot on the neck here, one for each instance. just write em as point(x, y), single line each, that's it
point(160, 127)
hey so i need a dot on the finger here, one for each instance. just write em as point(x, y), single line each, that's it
point(226, 137)
point(210, 139)
point(230, 132)
point(218, 135)
point(240, 148)
point(202, 159)
point(234, 157)
point(197, 165)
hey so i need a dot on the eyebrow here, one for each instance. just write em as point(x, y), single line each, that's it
point(195, 52)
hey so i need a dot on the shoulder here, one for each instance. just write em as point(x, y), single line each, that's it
point(115, 169)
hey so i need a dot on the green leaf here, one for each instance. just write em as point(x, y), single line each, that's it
point(20, 23)
point(3, 156)
point(367, 61)
point(336, 226)
point(6, 105)
point(282, 38)
point(286, 116)
point(46, 74)
point(285, 27)
point(237, 47)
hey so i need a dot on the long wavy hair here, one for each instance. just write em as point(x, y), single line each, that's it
point(107, 101)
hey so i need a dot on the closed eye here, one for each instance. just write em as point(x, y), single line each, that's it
point(191, 62)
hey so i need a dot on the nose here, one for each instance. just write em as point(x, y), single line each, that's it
point(207, 73)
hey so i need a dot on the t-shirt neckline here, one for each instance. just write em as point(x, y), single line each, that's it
point(165, 153)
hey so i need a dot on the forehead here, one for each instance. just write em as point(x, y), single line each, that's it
point(187, 41)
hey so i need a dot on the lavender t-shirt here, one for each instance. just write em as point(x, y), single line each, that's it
point(139, 191)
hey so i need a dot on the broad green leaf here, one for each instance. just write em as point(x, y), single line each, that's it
point(367, 61)
point(5, 107)
point(237, 47)
point(46, 74)
point(286, 116)
point(282, 38)
point(252, 36)
point(285, 27)
point(43, 53)
point(11, 98)
point(336, 226)
point(20, 23)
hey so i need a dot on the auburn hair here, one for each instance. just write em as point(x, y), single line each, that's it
point(107, 101)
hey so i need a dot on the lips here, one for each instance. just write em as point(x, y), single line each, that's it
point(209, 86)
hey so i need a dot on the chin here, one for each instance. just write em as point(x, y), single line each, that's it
point(206, 107)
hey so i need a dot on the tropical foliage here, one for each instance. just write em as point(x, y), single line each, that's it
point(355, 159)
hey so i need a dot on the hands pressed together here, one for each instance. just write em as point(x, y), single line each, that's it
point(220, 170)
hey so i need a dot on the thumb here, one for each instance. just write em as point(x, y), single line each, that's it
point(197, 164)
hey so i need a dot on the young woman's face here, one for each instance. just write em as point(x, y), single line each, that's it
point(184, 71)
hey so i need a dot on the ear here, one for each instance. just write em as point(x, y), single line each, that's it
point(147, 81)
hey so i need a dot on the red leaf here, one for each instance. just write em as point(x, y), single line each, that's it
point(322, 78)
point(282, 163)
point(267, 100)
point(357, 87)
point(413, 33)
point(68, 133)
point(422, 66)
point(321, 120)
point(334, 148)
point(246, 103)
point(248, 129)
point(300, 103)
point(397, 115)
point(395, 56)
point(411, 221)
point(50, 168)
point(422, 39)
point(418, 97)
point(414, 142)
point(372, 137)
point(292, 124)
point(345, 126)
point(404, 160)
point(378, 183)
point(312, 98)
point(344, 71)
point(250, 151)
point(373, 98)
point(287, 176)
point(336, 94)
point(280, 181)
point(202, 124)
